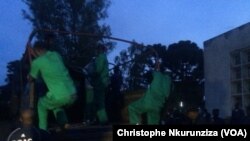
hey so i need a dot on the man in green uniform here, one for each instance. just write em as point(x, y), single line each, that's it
point(89, 114)
point(61, 89)
point(153, 100)
point(101, 82)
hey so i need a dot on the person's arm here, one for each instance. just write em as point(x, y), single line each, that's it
point(160, 86)
point(31, 51)
point(32, 94)
point(157, 65)
point(153, 83)
point(34, 72)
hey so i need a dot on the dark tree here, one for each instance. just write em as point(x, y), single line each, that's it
point(14, 87)
point(74, 16)
point(182, 60)
point(14, 77)
point(81, 16)
point(185, 62)
point(136, 61)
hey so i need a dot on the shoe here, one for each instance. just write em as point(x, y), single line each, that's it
point(66, 126)
point(62, 128)
point(86, 122)
point(89, 122)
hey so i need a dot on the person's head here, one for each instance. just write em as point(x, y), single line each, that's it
point(149, 76)
point(101, 49)
point(216, 113)
point(161, 68)
point(237, 105)
point(39, 48)
point(49, 39)
point(116, 69)
point(26, 117)
point(192, 113)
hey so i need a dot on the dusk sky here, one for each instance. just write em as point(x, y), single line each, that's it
point(145, 21)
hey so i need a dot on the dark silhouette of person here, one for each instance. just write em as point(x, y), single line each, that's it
point(115, 97)
point(27, 131)
point(247, 117)
point(216, 119)
point(238, 115)
point(192, 116)
point(205, 116)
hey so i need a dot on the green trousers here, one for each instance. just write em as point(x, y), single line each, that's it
point(137, 108)
point(89, 107)
point(99, 103)
point(56, 105)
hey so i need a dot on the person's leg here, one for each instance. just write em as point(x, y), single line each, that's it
point(88, 110)
point(153, 117)
point(58, 110)
point(135, 110)
point(102, 116)
point(99, 97)
point(101, 112)
point(46, 103)
point(43, 112)
point(60, 116)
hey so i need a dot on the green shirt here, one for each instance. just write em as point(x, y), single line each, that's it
point(55, 75)
point(101, 68)
point(158, 90)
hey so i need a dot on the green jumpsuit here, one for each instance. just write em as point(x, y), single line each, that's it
point(89, 114)
point(61, 89)
point(152, 102)
point(101, 82)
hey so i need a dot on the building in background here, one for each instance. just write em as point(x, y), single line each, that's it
point(227, 70)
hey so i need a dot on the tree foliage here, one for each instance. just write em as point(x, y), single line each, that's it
point(13, 90)
point(183, 61)
point(14, 77)
point(136, 61)
point(83, 16)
